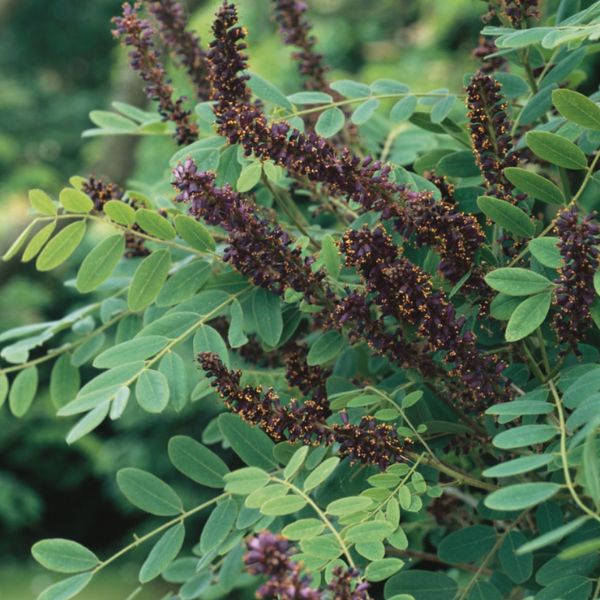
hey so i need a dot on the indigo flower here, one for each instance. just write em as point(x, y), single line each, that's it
point(365, 181)
point(486, 47)
point(309, 379)
point(346, 585)
point(258, 248)
point(173, 28)
point(490, 134)
point(518, 11)
point(137, 33)
point(368, 442)
point(296, 31)
point(402, 290)
point(270, 555)
point(578, 245)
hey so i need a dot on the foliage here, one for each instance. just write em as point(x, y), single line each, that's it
point(390, 300)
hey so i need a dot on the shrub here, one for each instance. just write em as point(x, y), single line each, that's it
point(392, 294)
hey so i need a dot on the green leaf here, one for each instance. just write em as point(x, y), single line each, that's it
point(98, 265)
point(331, 256)
point(235, 335)
point(403, 109)
point(23, 391)
point(75, 201)
point(421, 585)
point(351, 89)
point(556, 149)
point(521, 495)
point(251, 444)
point(591, 468)
point(517, 466)
point(525, 435)
point(197, 462)
point(208, 339)
point(218, 525)
point(552, 537)
point(133, 350)
point(266, 308)
point(152, 390)
point(112, 121)
point(88, 423)
point(503, 306)
point(310, 98)
point(154, 224)
point(119, 212)
point(535, 185)
point(249, 177)
point(171, 325)
point(41, 202)
point(265, 90)
point(61, 246)
point(441, 109)
point(148, 279)
point(295, 462)
point(37, 241)
point(67, 588)
point(518, 408)
point(64, 381)
point(303, 529)
point(148, 493)
point(528, 316)
point(372, 531)
point(581, 549)
point(572, 587)
point(245, 481)
point(285, 505)
point(330, 122)
point(173, 368)
point(18, 243)
point(324, 547)
point(194, 233)
point(517, 567)
point(382, 569)
point(467, 544)
point(363, 112)
point(321, 473)
point(349, 505)
point(325, 348)
point(506, 215)
point(458, 164)
point(514, 281)
point(64, 556)
point(545, 250)
point(4, 386)
point(184, 283)
point(163, 553)
point(577, 108)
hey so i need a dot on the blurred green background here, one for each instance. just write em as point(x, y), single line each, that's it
point(58, 61)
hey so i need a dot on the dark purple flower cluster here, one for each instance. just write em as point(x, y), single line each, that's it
point(365, 181)
point(579, 240)
point(402, 290)
point(455, 235)
point(518, 11)
point(490, 134)
point(486, 47)
point(309, 379)
point(173, 28)
point(296, 31)
point(138, 34)
point(367, 442)
point(101, 191)
point(270, 555)
point(258, 248)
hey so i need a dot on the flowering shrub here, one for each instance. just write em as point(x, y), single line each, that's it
point(402, 337)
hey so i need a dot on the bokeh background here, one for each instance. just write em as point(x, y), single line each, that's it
point(58, 61)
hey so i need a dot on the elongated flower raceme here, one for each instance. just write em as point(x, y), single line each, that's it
point(309, 379)
point(271, 555)
point(258, 248)
point(404, 291)
point(138, 33)
point(490, 134)
point(365, 181)
point(173, 28)
point(295, 30)
point(578, 245)
point(367, 442)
